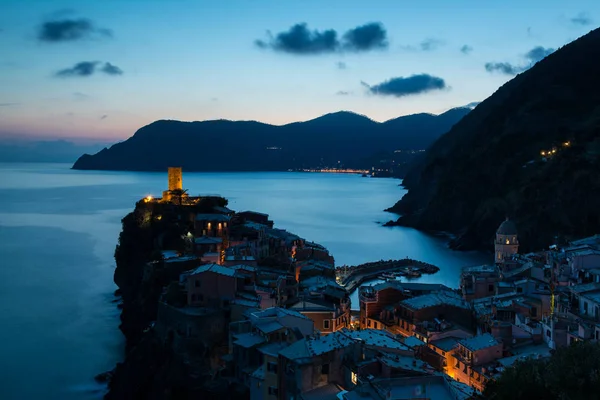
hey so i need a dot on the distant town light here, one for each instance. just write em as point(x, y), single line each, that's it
point(148, 198)
point(543, 153)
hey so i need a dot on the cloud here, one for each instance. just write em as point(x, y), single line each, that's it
point(466, 49)
point(430, 44)
point(534, 55)
point(80, 96)
point(341, 65)
point(343, 93)
point(84, 68)
point(582, 19)
point(504, 67)
point(104, 116)
point(9, 104)
point(538, 53)
point(66, 30)
point(110, 69)
point(299, 39)
point(367, 37)
point(412, 85)
point(88, 68)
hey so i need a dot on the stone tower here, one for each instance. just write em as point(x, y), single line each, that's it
point(507, 241)
point(175, 179)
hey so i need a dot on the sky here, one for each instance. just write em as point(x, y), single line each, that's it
point(100, 70)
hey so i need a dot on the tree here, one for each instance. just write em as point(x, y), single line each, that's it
point(571, 373)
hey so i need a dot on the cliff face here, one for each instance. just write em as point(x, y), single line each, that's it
point(253, 146)
point(490, 164)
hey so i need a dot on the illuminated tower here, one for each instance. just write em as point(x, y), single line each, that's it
point(175, 179)
point(507, 242)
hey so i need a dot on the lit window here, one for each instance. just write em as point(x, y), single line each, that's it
point(354, 377)
point(507, 241)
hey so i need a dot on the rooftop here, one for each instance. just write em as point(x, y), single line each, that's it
point(208, 240)
point(586, 287)
point(248, 340)
point(215, 268)
point(413, 341)
point(326, 392)
point(445, 344)
point(310, 347)
point(479, 342)
point(272, 349)
point(435, 300)
point(212, 217)
point(269, 327)
point(507, 228)
point(479, 269)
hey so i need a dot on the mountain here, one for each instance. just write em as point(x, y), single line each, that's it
point(490, 164)
point(47, 151)
point(253, 146)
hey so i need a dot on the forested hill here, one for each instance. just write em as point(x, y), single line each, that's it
point(253, 146)
point(490, 164)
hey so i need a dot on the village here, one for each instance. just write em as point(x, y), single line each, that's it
point(264, 311)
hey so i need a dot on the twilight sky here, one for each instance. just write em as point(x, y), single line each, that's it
point(102, 69)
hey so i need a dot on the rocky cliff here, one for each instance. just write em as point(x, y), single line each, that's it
point(530, 151)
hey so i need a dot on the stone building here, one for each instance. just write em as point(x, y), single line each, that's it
point(507, 242)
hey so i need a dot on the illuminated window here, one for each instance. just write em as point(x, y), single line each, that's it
point(507, 241)
point(354, 377)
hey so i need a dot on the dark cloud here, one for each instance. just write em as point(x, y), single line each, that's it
point(343, 93)
point(341, 65)
point(301, 40)
point(581, 19)
point(66, 30)
point(412, 85)
point(430, 44)
point(532, 56)
point(503, 67)
point(88, 68)
point(84, 68)
point(466, 49)
point(538, 53)
point(104, 116)
point(367, 37)
point(110, 69)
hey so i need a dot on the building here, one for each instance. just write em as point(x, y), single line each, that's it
point(341, 360)
point(479, 281)
point(507, 242)
point(255, 341)
point(470, 357)
point(377, 303)
point(429, 315)
point(328, 314)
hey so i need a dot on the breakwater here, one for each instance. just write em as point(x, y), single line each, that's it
point(352, 277)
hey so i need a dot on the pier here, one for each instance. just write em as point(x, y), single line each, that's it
point(351, 277)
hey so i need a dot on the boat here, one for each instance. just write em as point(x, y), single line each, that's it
point(387, 275)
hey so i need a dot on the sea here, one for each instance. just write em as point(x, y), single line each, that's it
point(59, 227)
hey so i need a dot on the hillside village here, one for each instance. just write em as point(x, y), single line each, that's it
point(255, 310)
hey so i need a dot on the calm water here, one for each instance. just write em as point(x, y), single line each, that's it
point(58, 229)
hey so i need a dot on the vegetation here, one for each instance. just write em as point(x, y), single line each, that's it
point(253, 146)
point(572, 373)
point(490, 165)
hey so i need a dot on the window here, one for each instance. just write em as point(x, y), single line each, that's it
point(325, 369)
point(326, 324)
point(197, 283)
point(490, 288)
point(548, 333)
point(200, 297)
point(193, 297)
point(369, 323)
point(272, 367)
point(273, 391)
point(354, 377)
point(225, 303)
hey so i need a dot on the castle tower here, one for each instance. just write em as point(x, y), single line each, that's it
point(175, 179)
point(507, 242)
